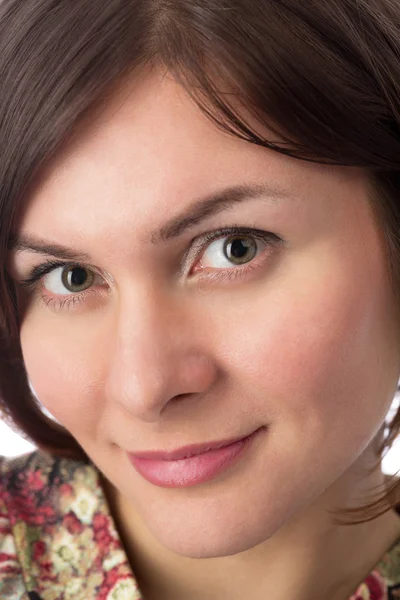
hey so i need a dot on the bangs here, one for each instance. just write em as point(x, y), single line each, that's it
point(304, 71)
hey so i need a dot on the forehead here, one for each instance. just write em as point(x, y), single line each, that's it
point(147, 153)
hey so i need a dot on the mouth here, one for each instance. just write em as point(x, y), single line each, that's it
point(190, 465)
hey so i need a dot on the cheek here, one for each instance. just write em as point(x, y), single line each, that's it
point(61, 365)
point(318, 345)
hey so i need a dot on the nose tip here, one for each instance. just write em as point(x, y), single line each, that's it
point(147, 387)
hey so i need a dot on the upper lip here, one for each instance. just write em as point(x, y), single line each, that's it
point(187, 451)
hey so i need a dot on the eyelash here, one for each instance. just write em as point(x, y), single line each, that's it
point(200, 244)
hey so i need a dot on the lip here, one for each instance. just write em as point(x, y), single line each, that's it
point(192, 464)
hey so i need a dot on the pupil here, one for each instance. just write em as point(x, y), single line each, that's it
point(78, 277)
point(239, 248)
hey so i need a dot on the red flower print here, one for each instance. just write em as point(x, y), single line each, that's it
point(72, 523)
point(34, 481)
point(39, 548)
point(101, 532)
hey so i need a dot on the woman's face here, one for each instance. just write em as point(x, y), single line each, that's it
point(156, 342)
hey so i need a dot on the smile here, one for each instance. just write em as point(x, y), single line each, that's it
point(190, 465)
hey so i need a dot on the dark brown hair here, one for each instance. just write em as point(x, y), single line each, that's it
point(322, 75)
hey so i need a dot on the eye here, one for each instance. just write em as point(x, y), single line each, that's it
point(69, 280)
point(234, 250)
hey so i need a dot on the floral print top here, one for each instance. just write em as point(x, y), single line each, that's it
point(58, 540)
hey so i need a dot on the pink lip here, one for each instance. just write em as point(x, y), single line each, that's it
point(189, 465)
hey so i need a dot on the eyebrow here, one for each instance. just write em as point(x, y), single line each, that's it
point(198, 211)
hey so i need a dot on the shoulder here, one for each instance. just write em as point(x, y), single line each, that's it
point(32, 485)
point(12, 586)
point(12, 468)
point(59, 539)
point(32, 488)
point(27, 479)
point(16, 469)
point(11, 576)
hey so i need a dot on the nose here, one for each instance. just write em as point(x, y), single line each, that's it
point(155, 355)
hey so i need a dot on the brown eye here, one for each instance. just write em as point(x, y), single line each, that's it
point(77, 279)
point(233, 250)
point(240, 249)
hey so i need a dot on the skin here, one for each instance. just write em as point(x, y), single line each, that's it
point(306, 345)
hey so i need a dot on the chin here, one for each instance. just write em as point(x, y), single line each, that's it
point(215, 540)
point(206, 548)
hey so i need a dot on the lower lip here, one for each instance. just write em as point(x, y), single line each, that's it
point(193, 470)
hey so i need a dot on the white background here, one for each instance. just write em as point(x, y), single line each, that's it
point(12, 444)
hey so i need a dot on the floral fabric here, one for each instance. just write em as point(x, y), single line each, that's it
point(58, 540)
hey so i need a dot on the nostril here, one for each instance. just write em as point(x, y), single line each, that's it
point(182, 397)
